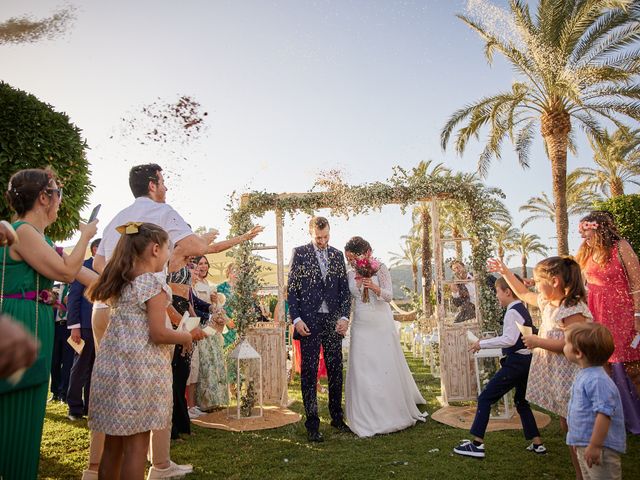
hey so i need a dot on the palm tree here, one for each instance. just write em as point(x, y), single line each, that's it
point(454, 223)
point(409, 255)
point(527, 244)
point(617, 157)
point(421, 216)
point(505, 237)
point(580, 200)
point(575, 65)
point(454, 220)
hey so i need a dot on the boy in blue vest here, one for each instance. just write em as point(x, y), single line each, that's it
point(513, 374)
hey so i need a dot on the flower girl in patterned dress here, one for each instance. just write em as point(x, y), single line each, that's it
point(131, 382)
point(561, 299)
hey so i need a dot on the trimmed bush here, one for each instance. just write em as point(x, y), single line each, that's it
point(34, 135)
point(626, 210)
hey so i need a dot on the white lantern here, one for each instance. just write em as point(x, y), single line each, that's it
point(245, 391)
point(487, 363)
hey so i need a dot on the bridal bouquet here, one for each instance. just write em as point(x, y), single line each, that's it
point(366, 266)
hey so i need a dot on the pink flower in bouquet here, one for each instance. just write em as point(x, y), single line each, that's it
point(366, 266)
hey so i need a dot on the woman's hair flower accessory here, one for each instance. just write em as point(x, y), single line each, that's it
point(585, 225)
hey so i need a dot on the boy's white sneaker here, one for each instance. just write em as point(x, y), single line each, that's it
point(468, 449)
point(538, 449)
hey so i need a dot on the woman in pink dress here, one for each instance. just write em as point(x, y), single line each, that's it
point(612, 272)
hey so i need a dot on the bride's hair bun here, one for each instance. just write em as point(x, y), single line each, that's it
point(357, 245)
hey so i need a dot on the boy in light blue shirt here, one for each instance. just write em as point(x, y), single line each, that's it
point(596, 421)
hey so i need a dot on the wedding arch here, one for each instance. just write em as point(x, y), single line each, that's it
point(403, 188)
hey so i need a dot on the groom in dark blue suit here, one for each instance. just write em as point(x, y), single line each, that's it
point(319, 304)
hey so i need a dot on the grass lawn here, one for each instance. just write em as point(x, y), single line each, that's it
point(421, 452)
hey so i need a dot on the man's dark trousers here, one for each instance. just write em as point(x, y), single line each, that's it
point(61, 361)
point(80, 378)
point(310, 353)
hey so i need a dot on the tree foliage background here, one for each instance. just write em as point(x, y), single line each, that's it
point(34, 135)
point(626, 211)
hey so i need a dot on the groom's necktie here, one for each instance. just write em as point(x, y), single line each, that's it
point(324, 262)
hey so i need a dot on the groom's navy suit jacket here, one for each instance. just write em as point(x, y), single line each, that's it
point(307, 288)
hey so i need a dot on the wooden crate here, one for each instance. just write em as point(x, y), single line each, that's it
point(458, 380)
point(268, 340)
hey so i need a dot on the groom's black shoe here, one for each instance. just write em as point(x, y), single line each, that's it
point(315, 436)
point(341, 426)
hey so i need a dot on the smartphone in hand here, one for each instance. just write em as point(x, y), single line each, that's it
point(94, 213)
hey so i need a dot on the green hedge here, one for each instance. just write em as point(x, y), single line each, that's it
point(626, 210)
point(34, 135)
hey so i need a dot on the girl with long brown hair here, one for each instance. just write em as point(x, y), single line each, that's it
point(131, 382)
point(612, 272)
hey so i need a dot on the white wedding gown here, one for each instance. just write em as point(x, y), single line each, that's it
point(380, 393)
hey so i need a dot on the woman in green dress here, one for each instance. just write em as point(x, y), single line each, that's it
point(226, 288)
point(27, 271)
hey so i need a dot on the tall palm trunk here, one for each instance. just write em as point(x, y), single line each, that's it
point(414, 272)
point(426, 260)
point(524, 259)
point(555, 128)
point(501, 252)
point(616, 187)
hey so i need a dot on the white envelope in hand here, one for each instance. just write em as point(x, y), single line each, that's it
point(188, 323)
point(76, 346)
point(524, 330)
point(471, 337)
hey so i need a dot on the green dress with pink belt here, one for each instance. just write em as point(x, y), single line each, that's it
point(22, 406)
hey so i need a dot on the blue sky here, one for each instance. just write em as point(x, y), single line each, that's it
point(291, 87)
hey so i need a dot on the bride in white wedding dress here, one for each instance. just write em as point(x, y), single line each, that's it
point(381, 395)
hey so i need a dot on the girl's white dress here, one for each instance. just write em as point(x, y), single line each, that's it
point(380, 393)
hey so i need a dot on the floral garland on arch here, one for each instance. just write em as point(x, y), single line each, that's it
point(402, 188)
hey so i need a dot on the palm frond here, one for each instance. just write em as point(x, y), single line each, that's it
point(616, 91)
point(539, 208)
point(523, 141)
point(592, 75)
point(608, 21)
point(612, 107)
point(522, 17)
point(589, 124)
point(616, 39)
point(519, 60)
point(459, 115)
point(577, 22)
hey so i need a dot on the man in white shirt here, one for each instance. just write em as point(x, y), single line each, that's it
point(148, 188)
